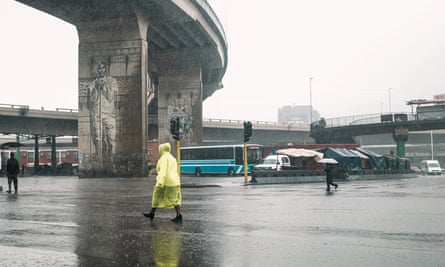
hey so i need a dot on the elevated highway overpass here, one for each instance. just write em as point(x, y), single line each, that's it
point(371, 134)
point(132, 54)
point(346, 129)
point(21, 119)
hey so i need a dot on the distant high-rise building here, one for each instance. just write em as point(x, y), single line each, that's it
point(439, 97)
point(297, 114)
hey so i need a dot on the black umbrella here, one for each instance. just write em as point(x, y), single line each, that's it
point(8, 145)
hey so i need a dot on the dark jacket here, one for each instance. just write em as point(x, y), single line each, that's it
point(330, 173)
point(12, 167)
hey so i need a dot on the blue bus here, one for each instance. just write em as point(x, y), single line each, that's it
point(220, 159)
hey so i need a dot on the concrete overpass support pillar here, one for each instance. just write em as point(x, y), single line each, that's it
point(53, 154)
point(180, 94)
point(400, 136)
point(36, 155)
point(112, 125)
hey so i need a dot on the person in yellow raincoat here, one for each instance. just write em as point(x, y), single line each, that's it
point(167, 191)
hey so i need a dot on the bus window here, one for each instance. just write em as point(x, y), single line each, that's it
point(239, 156)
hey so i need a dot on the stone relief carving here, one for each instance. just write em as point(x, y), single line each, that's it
point(102, 108)
point(182, 107)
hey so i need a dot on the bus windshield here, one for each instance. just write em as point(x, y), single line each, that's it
point(254, 154)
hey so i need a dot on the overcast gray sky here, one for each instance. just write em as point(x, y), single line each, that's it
point(355, 50)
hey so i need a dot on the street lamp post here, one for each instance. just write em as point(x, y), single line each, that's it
point(432, 145)
point(310, 100)
point(389, 96)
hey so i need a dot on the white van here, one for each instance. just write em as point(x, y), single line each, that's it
point(430, 167)
point(273, 162)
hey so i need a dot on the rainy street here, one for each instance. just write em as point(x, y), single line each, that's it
point(66, 221)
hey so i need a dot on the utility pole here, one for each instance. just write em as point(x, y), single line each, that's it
point(247, 135)
point(175, 132)
point(310, 100)
point(389, 99)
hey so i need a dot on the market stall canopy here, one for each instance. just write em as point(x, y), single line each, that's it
point(346, 158)
point(300, 152)
point(327, 161)
point(358, 153)
point(377, 160)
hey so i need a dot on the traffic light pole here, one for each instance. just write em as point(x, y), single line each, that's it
point(245, 162)
point(174, 130)
point(247, 135)
point(178, 156)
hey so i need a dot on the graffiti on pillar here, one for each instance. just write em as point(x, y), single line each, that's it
point(181, 107)
point(102, 110)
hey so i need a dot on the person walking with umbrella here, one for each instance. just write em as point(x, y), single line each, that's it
point(12, 170)
point(330, 173)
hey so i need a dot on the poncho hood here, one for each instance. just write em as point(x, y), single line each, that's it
point(164, 148)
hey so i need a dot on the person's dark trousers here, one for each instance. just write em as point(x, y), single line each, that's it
point(329, 183)
point(13, 179)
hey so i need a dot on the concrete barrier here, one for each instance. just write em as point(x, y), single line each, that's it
point(381, 176)
point(287, 179)
point(279, 177)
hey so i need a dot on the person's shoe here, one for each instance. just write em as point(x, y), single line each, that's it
point(177, 219)
point(149, 215)
point(8, 191)
point(336, 186)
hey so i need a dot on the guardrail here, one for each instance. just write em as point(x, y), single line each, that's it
point(256, 124)
point(27, 108)
point(211, 14)
point(369, 119)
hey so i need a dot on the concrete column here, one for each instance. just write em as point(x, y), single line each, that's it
point(400, 136)
point(180, 94)
point(113, 62)
point(36, 155)
point(53, 154)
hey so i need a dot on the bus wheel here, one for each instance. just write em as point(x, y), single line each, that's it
point(198, 172)
point(230, 172)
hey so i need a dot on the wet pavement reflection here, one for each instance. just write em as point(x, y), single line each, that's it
point(66, 221)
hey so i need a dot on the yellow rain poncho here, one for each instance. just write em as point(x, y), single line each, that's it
point(167, 191)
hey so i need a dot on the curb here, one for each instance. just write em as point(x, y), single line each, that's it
point(199, 185)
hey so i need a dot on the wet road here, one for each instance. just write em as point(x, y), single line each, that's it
point(66, 221)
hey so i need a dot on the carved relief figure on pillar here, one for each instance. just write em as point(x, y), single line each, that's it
point(182, 107)
point(102, 113)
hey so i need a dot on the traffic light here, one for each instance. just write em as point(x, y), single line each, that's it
point(174, 127)
point(247, 130)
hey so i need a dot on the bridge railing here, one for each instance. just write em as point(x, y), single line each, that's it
point(27, 107)
point(209, 11)
point(367, 119)
point(256, 124)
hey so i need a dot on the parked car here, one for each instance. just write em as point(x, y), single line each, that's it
point(273, 162)
point(416, 169)
point(67, 168)
point(430, 167)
